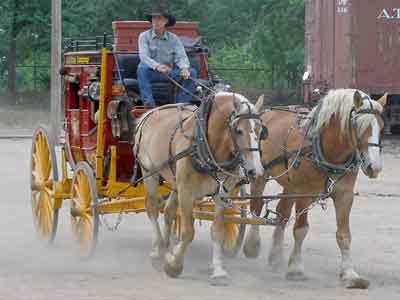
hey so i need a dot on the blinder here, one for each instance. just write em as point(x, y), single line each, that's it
point(264, 133)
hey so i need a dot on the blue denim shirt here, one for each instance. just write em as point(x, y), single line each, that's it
point(167, 49)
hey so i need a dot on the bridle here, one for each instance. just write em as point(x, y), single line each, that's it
point(354, 114)
point(355, 138)
point(203, 159)
point(234, 131)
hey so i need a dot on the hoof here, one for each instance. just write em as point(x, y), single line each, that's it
point(157, 263)
point(357, 283)
point(220, 280)
point(276, 262)
point(171, 268)
point(251, 249)
point(296, 276)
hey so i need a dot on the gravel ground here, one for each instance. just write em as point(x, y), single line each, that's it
point(121, 268)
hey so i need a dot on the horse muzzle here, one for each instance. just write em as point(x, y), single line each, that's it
point(369, 167)
point(371, 171)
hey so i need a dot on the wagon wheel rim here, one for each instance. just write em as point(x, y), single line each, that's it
point(43, 174)
point(84, 219)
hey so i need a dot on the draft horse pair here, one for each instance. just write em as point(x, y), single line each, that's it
point(210, 150)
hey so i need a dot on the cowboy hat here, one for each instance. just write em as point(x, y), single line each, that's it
point(161, 11)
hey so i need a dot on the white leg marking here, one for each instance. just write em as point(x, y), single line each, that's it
point(158, 242)
point(296, 267)
point(275, 258)
point(217, 256)
point(347, 271)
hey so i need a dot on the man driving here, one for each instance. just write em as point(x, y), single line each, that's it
point(162, 55)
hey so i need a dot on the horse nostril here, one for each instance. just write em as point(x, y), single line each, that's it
point(372, 173)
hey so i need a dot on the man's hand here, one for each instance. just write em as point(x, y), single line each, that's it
point(163, 68)
point(185, 73)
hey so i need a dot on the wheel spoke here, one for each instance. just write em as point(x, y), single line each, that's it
point(37, 165)
point(48, 168)
point(40, 216)
point(36, 207)
point(77, 200)
point(45, 215)
point(85, 235)
point(35, 176)
point(84, 189)
point(82, 220)
point(42, 178)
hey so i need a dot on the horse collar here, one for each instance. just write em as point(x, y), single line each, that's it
point(202, 158)
point(318, 157)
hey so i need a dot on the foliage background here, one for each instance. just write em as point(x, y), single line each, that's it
point(255, 44)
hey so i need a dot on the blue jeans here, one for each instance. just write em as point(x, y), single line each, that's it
point(146, 76)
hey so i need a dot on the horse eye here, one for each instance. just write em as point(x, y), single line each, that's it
point(239, 131)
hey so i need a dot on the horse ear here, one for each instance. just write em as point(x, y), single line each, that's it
point(259, 104)
point(236, 104)
point(358, 102)
point(383, 100)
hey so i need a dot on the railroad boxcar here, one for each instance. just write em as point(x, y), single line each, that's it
point(354, 44)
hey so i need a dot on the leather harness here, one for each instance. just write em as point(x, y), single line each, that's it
point(313, 151)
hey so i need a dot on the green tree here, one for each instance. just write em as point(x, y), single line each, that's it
point(252, 34)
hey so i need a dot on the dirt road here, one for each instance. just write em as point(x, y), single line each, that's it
point(121, 268)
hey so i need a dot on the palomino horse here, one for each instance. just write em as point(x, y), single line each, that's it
point(199, 152)
point(341, 133)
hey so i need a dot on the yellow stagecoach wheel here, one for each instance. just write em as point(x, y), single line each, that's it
point(43, 174)
point(234, 233)
point(84, 218)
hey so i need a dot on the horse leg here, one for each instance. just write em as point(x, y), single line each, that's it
point(343, 202)
point(296, 267)
point(169, 216)
point(174, 261)
point(252, 244)
point(276, 257)
point(219, 276)
point(152, 204)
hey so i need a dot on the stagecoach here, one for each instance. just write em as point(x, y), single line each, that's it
point(94, 172)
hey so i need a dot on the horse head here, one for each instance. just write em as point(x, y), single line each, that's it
point(246, 131)
point(367, 130)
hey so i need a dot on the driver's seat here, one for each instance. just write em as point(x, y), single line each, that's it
point(163, 92)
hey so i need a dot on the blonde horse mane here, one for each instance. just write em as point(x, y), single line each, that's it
point(339, 103)
point(244, 103)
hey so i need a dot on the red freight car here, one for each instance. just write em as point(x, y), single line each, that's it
point(354, 44)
